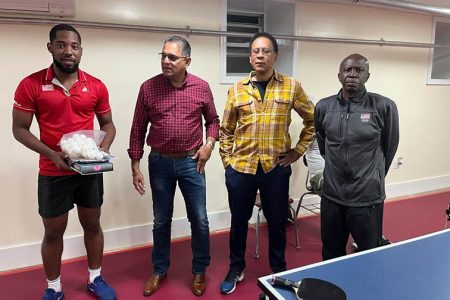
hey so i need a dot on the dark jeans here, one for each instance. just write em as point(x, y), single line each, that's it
point(274, 192)
point(337, 222)
point(164, 175)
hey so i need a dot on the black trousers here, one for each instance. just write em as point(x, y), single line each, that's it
point(274, 191)
point(337, 222)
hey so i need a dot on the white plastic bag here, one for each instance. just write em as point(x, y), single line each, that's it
point(83, 144)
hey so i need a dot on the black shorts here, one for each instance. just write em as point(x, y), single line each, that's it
point(58, 194)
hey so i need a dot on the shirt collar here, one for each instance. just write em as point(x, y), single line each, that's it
point(358, 98)
point(187, 77)
point(276, 76)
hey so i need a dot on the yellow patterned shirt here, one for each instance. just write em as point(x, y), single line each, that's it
point(254, 130)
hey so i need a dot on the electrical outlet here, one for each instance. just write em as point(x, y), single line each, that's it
point(397, 162)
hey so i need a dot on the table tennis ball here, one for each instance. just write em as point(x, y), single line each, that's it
point(91, 143)
point(70, 152)
point(85, 153)
point(63, 144)
point(76, 149)
point(91, 155)
point(67, 148)
point(76, 138)
point(83, 147)
point(99, 156)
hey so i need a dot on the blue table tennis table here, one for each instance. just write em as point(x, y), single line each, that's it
point(413, 269)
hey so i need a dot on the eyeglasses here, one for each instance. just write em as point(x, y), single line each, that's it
point(171, 57)
point(264, 51)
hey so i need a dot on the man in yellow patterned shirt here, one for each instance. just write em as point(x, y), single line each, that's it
point(256, 151)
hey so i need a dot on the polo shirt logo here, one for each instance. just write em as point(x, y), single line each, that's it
point(85, 89)
point(365, 118)
point(47, 87)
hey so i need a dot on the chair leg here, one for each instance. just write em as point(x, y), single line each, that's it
point(300, 201)
point(299, 205)
point(295, 223)
point(256, 255)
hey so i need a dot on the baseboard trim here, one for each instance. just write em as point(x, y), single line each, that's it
point(28, 255)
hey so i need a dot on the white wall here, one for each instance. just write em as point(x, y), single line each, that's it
point(124, 59)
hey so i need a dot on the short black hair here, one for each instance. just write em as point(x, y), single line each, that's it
point(185, 46)
point(358, 57)
point(266, 35)
point(62, 27)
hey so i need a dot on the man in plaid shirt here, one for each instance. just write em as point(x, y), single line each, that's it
point(255, 147)
point(175, 103)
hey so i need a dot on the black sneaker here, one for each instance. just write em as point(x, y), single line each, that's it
point(228, 285)
point(384, 241)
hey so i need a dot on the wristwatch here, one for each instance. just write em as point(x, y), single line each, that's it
point(211, 143)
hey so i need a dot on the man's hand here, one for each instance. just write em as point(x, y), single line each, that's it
point(288, 158)
point(58, 158)
point(203, 154)
point(139, 182)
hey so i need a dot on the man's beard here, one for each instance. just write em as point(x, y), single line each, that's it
point(67, 70)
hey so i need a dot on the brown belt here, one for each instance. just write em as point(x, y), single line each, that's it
point(181, 154)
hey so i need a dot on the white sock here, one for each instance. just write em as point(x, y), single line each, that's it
point(94, 273)
point(55, 284)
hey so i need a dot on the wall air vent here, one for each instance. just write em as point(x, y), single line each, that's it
point(59, 8)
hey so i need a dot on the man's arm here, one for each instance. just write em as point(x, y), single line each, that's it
point(106, 124)
point(138, 177)
point(137, 140)
point(390, 135)
point(212, 131)
point(305, 109)
point(227, 128)
point(320, 133)
point(21, 131)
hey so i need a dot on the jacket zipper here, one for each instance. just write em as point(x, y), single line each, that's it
point(345, 146)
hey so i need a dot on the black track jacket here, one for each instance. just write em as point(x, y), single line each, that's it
point(358, 139)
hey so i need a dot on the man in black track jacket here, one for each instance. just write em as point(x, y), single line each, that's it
point(358, 135)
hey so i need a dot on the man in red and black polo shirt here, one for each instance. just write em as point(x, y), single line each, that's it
point(65, 99)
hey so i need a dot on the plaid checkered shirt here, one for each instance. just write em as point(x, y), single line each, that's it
point(174, 114)
point(254, 131)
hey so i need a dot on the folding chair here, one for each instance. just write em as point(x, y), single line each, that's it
point(292, 221)
point(313, 207)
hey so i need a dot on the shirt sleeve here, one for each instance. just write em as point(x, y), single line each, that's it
point(102, 105)
point(139, 127)
point(25, 96)
point(305, 109)
point(227, 129)
point(211, 117)
point(320, 133)
point(390, 135)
